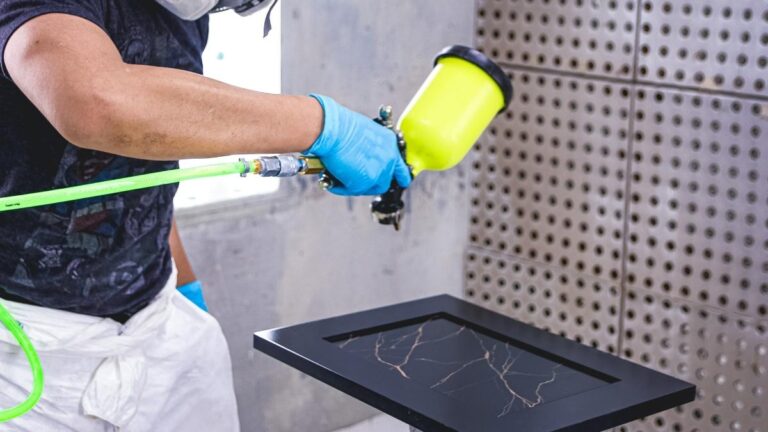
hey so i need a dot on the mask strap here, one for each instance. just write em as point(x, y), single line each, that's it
point(268, 20)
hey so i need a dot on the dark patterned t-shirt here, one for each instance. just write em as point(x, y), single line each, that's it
point(105, 256)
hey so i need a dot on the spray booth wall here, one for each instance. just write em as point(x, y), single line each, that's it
point(301, 254)
point(622, 200)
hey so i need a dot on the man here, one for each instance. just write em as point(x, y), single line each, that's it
point(100, 89)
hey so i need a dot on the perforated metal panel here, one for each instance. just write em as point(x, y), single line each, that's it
point(549, 182)
point(640, 171)
point(699, 200)
point(713, 44)
point(584, 36)
point(725, 355)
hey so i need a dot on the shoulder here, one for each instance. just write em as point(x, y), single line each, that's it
point(16, 13)
point(19, 11)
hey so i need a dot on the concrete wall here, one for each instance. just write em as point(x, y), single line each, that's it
point(301, 254)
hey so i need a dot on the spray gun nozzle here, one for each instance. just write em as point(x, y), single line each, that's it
point(387, 209)
point(388, 218)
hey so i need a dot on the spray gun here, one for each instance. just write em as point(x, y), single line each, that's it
point(457, 102)
point(454, 106)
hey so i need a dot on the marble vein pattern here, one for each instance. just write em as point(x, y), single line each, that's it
point(468, 365)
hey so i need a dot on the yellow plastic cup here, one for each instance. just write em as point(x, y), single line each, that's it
point(453, 107)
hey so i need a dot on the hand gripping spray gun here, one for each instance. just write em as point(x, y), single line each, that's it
point(453, 107)
point(445, 118)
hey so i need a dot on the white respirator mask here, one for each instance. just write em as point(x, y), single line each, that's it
point(192, 10)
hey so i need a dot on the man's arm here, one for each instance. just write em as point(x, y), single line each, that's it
point(72, 72)
point(186, 274)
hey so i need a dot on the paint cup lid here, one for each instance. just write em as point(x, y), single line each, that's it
point(483, 62)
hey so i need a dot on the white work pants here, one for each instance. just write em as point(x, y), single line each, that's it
point(167, 369)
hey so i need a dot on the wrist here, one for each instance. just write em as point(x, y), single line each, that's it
point(314, 115)
point(329, 111)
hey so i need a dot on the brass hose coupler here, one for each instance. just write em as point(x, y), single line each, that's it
point(311, 165)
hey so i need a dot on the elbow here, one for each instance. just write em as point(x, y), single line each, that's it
point(93, 122)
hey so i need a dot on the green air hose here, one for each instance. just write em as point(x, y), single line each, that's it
point(34, 361)
point(122, 185)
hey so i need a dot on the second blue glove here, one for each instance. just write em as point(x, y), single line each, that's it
point(193, 291)
point(359, 152)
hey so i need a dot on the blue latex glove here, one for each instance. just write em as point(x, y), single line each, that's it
point(193, 291)
point(359, 152)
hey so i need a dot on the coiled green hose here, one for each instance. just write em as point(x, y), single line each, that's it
point(34, 361)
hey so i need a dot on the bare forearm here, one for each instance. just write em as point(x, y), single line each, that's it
point(160, 114)
point(97, 101)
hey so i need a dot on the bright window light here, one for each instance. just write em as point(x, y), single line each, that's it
point(236, 54)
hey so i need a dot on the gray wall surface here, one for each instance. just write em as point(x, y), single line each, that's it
point(301, 254)
point(622, 200)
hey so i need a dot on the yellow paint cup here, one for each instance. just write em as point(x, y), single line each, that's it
point(453, 107)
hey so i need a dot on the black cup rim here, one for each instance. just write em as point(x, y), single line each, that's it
point(483, 62)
